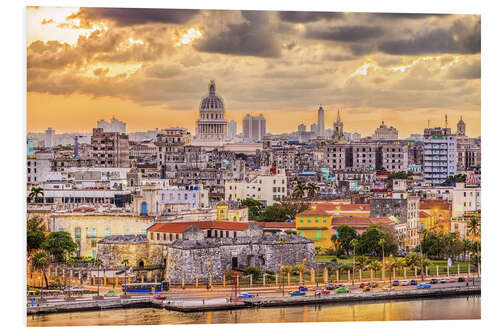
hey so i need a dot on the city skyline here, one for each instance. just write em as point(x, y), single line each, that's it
point(149, 68)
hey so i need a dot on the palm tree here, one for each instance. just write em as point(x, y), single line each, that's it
point(399, 264)
point(299, 190)
point(374, 265)
point(40, 261)
point(474, 226)
point(412, 260)
point(125, 262)
point(381, 242)
point(312, 190)
point(36, 192)
point(335, 240)
point(98, 262)
point(354, 243)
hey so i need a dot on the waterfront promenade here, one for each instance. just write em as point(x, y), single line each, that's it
point(196, 300)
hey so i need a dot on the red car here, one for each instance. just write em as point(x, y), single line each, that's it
point(325, 292)
point(160, 297)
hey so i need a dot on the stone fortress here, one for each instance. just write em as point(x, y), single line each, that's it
point(203, 251)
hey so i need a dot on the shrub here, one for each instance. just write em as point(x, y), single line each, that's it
point(330, 269)
point(254, 271)
point(342, 256)
point(329, 252)
point(269, 272)
point(334, 259)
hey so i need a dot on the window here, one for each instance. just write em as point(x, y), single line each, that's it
point(318, 234)
point(107, 232)
point(78, 232)
point(94, 233)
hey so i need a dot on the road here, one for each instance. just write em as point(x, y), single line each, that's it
point(202, 296)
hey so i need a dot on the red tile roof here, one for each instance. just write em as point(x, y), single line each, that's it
point(423, 214)
point(359, 222)
point(179, 227)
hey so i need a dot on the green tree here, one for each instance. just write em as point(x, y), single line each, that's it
point(317, 250)
point(286, 269)
point(40, 261)
point(36, 193)
point(299, 190)
point(292, 207)
point(412, 260)
point(362, 262)
point(35, 235)
point(396, 175)
point(300, 268)
point(454, 179)
point(60, 245)
point(254, 271)
point(374, 265)
point(369, 241)
point(98, 263)
point(273, 213)
point(312, 190)
point(346, 234)
point(255, 207)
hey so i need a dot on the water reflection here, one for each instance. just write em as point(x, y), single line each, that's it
point(423, 309)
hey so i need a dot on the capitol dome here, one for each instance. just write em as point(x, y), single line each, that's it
point(212, 101)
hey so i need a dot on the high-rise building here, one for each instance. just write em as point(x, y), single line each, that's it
point(112, 126)
point(211, 125)
point(321, 121)
point(314, 129)
point(440, 155)
point(49, 137)
point(385, 133)
point(30, 148)
point(254, 127)
point(338, 129)
point(301, 128)
point(232, 129)
point(110, 149)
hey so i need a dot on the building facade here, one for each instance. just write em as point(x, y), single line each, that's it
point(110, 149)
point(211, 125)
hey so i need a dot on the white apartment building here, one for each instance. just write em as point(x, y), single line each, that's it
point(38, 167)
point(465, 199)
point(192, 197)
point(254, 127)
point(268, 187)
point(440, 155)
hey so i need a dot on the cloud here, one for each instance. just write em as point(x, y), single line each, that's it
point(351, 33)
point(307, 17)
point(160, 71)
point(402, 16)
point(465, 71)
point(135, 16)
point(459, 38)
point(251, 38)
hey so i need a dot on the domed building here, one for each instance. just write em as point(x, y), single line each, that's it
point(211, 125)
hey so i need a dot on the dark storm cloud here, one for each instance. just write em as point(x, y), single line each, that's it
point(306, 17)
point(402, 16)
point(135, 16)
point(457, 39)
point(350, 33)
point(252, 38)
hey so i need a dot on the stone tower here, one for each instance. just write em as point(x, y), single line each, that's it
point(338, 128)
point(461, 127)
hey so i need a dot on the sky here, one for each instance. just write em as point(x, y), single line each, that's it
point(151, 68)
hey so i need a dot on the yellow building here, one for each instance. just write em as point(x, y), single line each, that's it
point(315, 224)
point(87, 229)
point(226, 213)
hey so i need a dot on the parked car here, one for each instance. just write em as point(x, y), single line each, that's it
point(302, 288)
point(366, 288)
point(434, 281)
point(325, 292)
point(330, 286)
point(395, 283)
point(110, 293)
point(443, 280)
point(413, 282)
point(373, 284)
point(405, 283)
point(363, 284)
point(297, 293)
point(461, 279)
point(423, 286)
point(341, 290)
point(160, 297)
point(246, 295)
